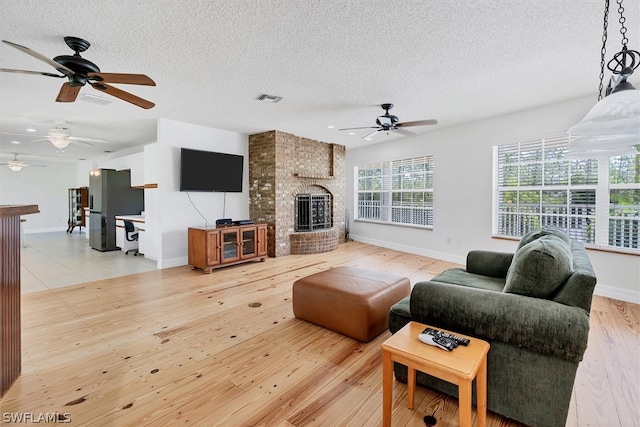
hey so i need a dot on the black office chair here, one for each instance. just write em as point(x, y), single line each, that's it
point(131, 235)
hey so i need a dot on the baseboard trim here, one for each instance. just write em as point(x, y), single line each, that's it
point(411, 249)
point(617, 293)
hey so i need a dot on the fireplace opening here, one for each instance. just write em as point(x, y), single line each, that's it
point(313, 212)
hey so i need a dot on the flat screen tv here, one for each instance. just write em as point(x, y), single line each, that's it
point(210, 171)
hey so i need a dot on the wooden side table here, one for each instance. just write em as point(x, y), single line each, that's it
point(459, 367)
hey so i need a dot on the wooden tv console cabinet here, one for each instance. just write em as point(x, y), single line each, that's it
point(211, 248)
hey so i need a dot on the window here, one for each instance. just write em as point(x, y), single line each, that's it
point(595, 200)
point(396, 192)
point(624, 201)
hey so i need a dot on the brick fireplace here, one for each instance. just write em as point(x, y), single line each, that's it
point(283, 167)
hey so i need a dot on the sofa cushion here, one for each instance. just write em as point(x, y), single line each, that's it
point(458, 276)
point(539, 267)
point(544, 231)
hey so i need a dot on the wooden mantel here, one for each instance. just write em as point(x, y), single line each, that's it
point(10, 354)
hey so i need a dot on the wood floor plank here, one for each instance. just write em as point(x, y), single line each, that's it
point(179, 347)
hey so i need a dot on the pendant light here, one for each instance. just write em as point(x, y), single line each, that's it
point(612, 126)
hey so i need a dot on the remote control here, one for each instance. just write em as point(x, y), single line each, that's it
point(436, 332)
point(440, 342)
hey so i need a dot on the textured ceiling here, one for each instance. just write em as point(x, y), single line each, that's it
point(333, 62)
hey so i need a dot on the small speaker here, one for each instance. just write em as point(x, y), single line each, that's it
point(224, 221)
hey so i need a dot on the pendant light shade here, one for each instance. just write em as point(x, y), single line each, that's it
point(612, 126)
point(610, 145)
point(616, 114)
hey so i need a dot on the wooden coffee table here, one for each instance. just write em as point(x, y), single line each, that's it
point(459, 367)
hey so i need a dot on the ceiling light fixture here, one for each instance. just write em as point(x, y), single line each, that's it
point(614, 122)
point(59, 138)
point(15, 165)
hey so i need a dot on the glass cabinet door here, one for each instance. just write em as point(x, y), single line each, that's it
point(248, 242)
point(230, 246)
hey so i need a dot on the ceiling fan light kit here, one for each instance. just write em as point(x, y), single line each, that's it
point(80, 71)
point(17, 165)
point(612, 126)
point(59, 138)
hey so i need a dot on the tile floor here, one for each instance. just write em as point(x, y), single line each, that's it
point(57, 259)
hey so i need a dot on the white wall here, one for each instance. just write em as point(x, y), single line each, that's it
point(46, 187)
point(463, 178)
point(176, 213)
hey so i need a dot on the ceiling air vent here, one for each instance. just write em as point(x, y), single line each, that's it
point(95, 99)
point(269, 98)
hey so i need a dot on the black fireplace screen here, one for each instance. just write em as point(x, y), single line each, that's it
point(313, 211)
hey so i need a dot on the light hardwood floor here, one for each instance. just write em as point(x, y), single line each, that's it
point(178, 347)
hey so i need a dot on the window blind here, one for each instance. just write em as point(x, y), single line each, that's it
point(396, 191)
point(536, 185)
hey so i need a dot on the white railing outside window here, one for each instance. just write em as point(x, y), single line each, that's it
point(595, 200)
point(396, 192)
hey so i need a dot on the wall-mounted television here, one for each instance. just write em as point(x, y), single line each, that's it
point(210, 171)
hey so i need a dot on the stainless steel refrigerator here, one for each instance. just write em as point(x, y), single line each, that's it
point(110, 194)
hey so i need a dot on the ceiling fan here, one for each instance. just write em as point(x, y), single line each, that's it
point(60, 137)
point(17, 165)
point(388, 122)
point(80, 71)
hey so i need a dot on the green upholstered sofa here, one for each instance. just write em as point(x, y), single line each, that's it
point(533, 309)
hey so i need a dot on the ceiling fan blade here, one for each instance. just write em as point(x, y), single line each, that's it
point(372, 134)
point(125, 96)
point(54, 64)
point(21, 134)
point(41, 137)
point(68, 93)
point(405, 132)
point(418, 123)
point(9, 70)
point(364, 127)
point(88, 140)
point(132, 79)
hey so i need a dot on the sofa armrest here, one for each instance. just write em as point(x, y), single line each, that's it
point(489, 263)
point(539, 325)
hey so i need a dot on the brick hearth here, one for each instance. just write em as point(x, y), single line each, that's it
point(314, 242)
point(282, 165)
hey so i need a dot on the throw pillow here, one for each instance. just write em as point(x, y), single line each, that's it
point(539, 267)
point(544, 231)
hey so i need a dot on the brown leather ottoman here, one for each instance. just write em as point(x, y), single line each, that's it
point(352, 301)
